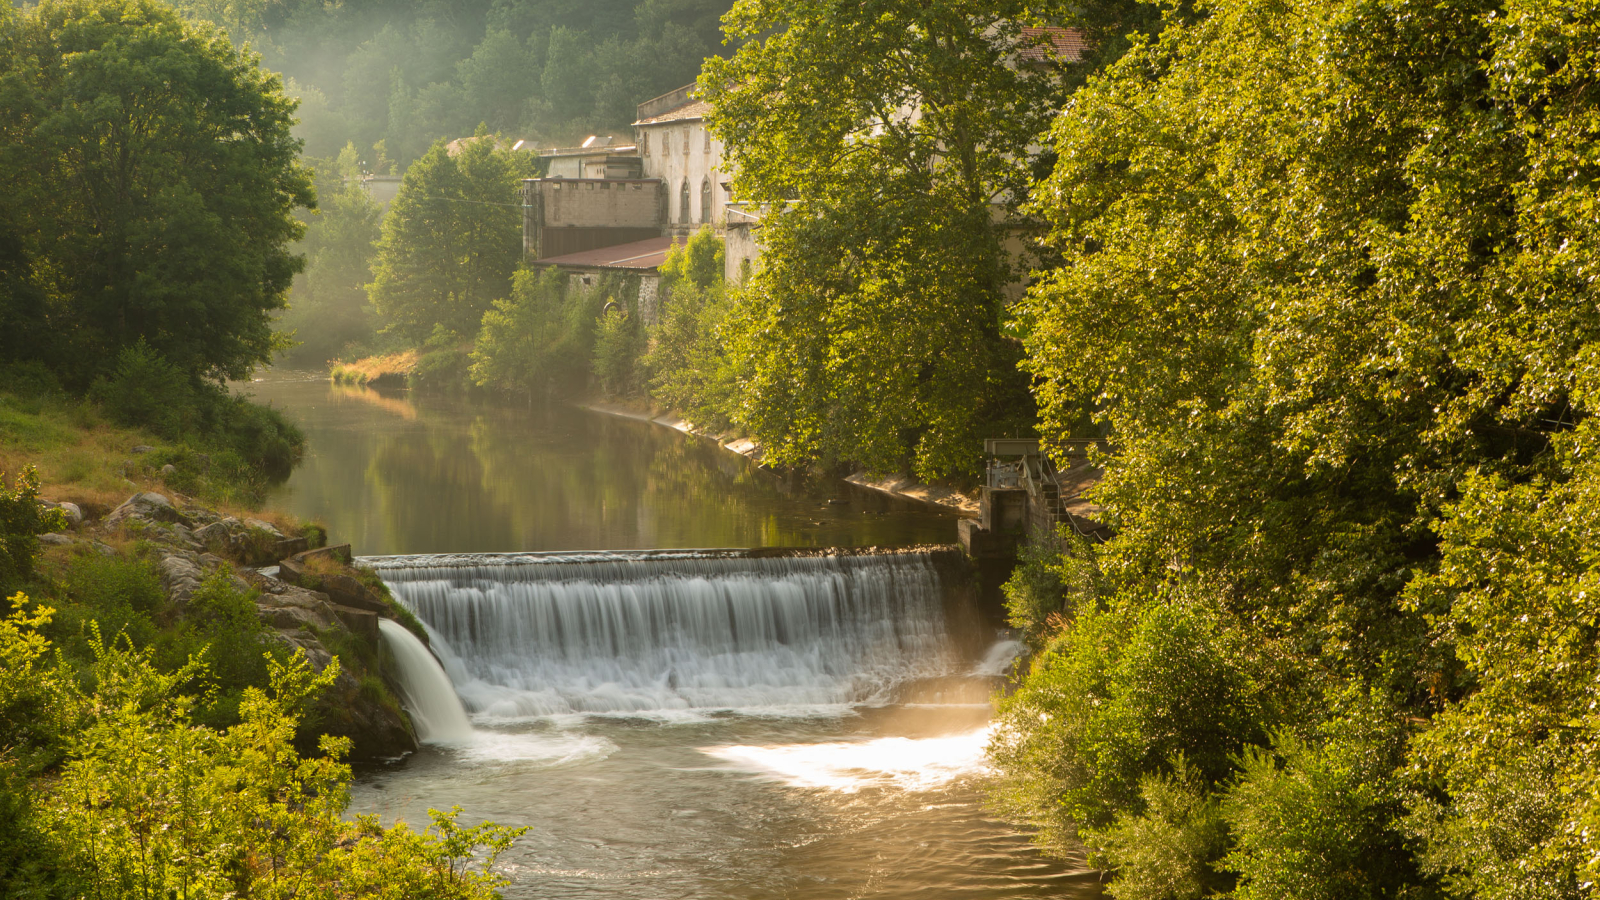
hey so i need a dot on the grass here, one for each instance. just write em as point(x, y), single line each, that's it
point(391, 367)
point(84, 458)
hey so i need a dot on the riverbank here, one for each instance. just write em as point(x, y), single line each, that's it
point(902, 487)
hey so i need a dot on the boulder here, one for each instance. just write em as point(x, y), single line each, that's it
point(145, 508)
point(268, 527)
point(56, 540)
point(73, 512)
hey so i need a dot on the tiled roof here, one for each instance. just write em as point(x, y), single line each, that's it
point(1065, 44)
point(694, 109)
point(646, 254)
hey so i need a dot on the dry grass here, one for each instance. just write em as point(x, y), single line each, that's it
point(81, 458)
point(390, 367)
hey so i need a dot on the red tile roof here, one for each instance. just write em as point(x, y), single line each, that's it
point(1064, 44)
point(645, 254)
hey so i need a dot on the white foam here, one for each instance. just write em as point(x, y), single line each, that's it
point(435, 709)
point(910, 764)
point(999, 660)
point(545, 749)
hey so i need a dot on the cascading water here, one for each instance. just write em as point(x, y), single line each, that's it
point(527, 635)
point(434, 707)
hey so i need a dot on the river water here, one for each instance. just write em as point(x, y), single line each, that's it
point(673, 725)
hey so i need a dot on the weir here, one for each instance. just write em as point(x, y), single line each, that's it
point(540, 634)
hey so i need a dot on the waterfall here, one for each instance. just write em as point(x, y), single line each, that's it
point(527, 635)
point(434, 707)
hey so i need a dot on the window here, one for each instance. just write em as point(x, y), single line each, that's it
point(644, 143)
point(666, 143)
point(683, 203)
point(708, 141)
point(686, 135)
point(705, 200)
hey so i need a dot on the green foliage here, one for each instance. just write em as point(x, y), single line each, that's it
point(1166, 852)
point(872, 332)
point(22, 520)
point(171, 226)
point(147, 804)
point(618, 342)
point(451, 241)
point(1116, 696)
point(328, 309)
point(1315, 821)
point(697, 262)
point(145, 391)
point(542, 337)
point(1326, 275)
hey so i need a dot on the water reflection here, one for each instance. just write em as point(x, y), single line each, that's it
point(397, 473)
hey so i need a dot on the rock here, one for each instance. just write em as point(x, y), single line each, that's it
point(147, 507)
point(264, 526)
point(169, 470)
point(73, 512)
point(143, 448)
point(102, 549)
point(215, 534)
point(180, 578)
point(182, 573)
point(347, 591)
point(361, 622)
point(288, 547)
point(56, 540)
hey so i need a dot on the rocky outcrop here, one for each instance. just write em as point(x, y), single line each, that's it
point(193, 543)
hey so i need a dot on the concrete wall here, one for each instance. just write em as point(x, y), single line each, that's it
point(585, 214)
point(740, 242)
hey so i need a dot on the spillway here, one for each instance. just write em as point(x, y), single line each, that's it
point(530, 635)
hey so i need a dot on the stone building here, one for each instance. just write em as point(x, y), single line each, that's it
point(676, 147)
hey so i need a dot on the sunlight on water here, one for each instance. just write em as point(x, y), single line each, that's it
point(911, 764)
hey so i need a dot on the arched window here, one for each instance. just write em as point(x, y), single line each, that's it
point(705, 200)
point(683, 203)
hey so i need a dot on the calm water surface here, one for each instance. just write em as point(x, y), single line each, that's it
point(878, 799)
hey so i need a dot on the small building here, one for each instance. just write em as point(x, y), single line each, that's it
point(598, 157)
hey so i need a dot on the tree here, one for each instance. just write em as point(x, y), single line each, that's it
point(451, 240)
point(329, 306)
point(1326, 275)
point(891, 143)
point(156, 176)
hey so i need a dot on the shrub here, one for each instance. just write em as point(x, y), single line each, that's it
point(1170, 850)
point(617, 347)
point(1114, 697)
point(22, 520)
point(145, 391)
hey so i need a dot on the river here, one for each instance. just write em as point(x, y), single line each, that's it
point(677, 726)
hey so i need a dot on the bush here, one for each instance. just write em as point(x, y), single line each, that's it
point(122, 597)
point(21, 522)
point(1114, 697)
point(221, 623)
point(146, 391)
point(1170, 851)
point(1314, 822)
point(617, 347)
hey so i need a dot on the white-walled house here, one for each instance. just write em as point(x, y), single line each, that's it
point(676, 147)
